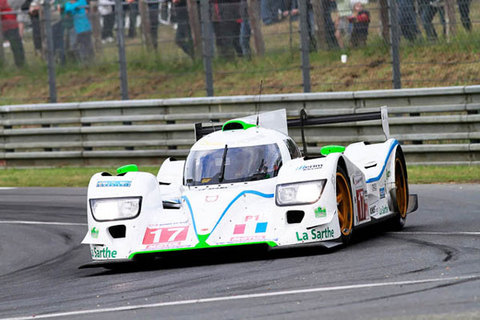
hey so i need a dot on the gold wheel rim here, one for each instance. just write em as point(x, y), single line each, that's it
point(344, 205)
point(401, 186)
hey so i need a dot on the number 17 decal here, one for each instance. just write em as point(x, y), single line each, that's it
point(164, 235)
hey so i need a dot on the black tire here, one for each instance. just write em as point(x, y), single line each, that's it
point(344, 205)
point(400, 194)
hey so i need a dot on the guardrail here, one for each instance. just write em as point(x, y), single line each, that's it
point(436, 126)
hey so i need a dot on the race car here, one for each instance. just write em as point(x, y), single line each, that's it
point(248, 183)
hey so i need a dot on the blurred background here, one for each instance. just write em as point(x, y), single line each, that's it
point(78, 50)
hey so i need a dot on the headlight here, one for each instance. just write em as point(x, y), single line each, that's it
point(299, 193)
point(115, 208)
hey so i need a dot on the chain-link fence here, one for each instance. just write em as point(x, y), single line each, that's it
point(74, 50)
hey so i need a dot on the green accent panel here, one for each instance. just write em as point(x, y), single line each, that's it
point(244, 125)
point(202, 241)
point(269, 243)
point(127, 168)
point(326, 150)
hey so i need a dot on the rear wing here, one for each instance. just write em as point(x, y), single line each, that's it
point(304, 121)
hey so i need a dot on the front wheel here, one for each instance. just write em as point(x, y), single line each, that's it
point(344, 206)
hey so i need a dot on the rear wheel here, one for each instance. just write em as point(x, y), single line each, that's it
point(344, 206)
point(401, 191)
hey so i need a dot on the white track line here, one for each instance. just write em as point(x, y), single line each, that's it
point(42, 223)
point(7, 188)
point(244, 296)
point(432, 233)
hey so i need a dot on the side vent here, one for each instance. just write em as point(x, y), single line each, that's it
point(295, 216)
point(118, 231)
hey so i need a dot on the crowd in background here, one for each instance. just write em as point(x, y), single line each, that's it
point(346, 23)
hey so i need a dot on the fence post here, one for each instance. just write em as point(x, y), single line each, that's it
point(207, 36)
point(451, 19)
point(145, 17)
point(255, 25)
point(50, 52)
point(395, 44)
point(320, 31)
point(195, 27)
point(96, 28)
point(121, 49)
point(305, 45)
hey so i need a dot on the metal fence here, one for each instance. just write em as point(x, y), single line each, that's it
point(435, 126)
point(219, 47)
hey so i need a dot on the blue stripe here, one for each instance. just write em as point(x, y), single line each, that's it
point(394, 144)
point(263, 195)
point(191, 214)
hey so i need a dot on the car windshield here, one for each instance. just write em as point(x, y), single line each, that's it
point(228, 165)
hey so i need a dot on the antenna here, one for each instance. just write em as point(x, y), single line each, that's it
point(256, 102)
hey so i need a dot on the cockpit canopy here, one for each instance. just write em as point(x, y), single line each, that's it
point(230, 165)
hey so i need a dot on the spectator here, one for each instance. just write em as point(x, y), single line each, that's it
point(105, 7)
point(269, 11)
point(153, 11)
point(17, 5)
point(34, 13)
point(342, 26)
point(11, 33)
point(69, 35)
point(407, 19)
point(83, 29)
point(464, 8)
point(57, 28)
point(226, 24)
point(360, 20)
point(245, 29)
point(132, 7)
point(183, 36)
point(427, 9)
point(292, 11)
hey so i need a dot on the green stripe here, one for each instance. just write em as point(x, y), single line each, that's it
point(202, 245)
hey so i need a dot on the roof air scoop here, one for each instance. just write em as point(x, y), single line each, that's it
point(237, 125)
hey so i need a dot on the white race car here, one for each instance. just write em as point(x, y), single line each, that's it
point(247, 183)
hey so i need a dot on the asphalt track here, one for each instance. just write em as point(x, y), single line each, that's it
point(431, 270)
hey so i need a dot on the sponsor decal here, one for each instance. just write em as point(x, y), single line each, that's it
point(211, 198)
point(101, 184)
point(315, 234)
point(374, 187)
point(247, 238)
point(357, 180)
point(388, 173)
point(104, 253)
point(373, 210)
point(165, 235)
point(309, 167)
point(260, 227)
point(239, 229)
point(383, 210)
point(382, 193)
point(94, 232)
point(362, 209)
point(320, 212)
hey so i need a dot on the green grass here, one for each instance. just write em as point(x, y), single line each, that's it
point(443, 174)
point(79, 177)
